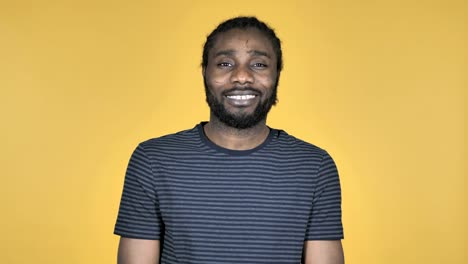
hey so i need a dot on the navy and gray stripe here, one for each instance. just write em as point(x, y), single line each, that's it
point(214, 205)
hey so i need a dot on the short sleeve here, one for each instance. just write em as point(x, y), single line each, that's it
point(139, 215)
point(325, 218)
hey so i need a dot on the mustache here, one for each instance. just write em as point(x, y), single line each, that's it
point(245, 88)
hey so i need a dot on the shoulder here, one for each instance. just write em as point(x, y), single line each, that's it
point(293, 145)
point(304, 157)
point(181, 141)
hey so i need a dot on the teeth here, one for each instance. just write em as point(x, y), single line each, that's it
point(241, 97)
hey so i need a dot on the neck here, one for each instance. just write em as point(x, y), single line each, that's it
point(233, 138)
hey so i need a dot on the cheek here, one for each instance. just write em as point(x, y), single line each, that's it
point(216, 79)
point(218, 82)
point(267, 81)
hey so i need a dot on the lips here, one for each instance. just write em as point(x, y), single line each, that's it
point(242, 92)
point(241, 97)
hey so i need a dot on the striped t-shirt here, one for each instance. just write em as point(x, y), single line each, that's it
point(209, 204)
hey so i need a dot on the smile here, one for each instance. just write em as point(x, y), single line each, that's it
point(241, 97)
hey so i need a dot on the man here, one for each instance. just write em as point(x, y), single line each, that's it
point(232, 190)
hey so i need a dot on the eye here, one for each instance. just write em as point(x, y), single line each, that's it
point(259, 65)
point(224, 64)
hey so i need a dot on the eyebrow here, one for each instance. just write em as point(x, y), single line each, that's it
point(231, 52)
point(259, 53)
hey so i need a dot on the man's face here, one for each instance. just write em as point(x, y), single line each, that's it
point(241, 77)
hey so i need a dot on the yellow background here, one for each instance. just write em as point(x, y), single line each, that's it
point(380, 84)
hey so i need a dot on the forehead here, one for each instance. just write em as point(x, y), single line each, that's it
point(243, 39)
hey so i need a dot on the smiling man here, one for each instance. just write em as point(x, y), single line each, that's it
point(232, 190)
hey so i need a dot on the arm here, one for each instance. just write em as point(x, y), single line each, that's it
point(323, 252)
point(139, 215)
point(138, 251)
point(322, 243)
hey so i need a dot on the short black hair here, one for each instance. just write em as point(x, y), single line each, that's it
point(244, 22)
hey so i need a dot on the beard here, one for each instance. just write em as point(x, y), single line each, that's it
point(241, 120)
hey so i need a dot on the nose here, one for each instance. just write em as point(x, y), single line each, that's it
point(242, 75)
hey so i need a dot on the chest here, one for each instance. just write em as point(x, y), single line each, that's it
point(227, 193)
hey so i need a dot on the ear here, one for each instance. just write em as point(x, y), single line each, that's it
point(203, 71)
